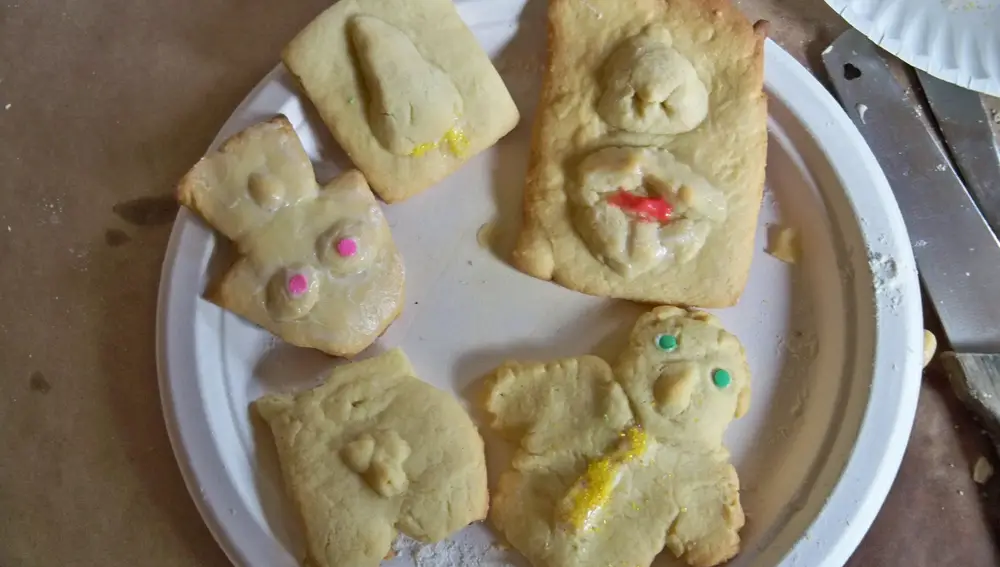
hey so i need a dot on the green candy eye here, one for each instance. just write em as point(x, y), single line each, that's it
point(666, 343)
point(721, 378)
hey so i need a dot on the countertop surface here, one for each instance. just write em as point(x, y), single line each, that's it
point(104, 104)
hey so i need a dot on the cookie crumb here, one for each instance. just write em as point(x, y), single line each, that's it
point(862, 111)
point(484, 236)
point(783, 243)
point(982, 471)
point(930, 346)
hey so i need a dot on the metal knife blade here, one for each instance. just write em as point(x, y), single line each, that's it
point(957, 254)
point(965, 127)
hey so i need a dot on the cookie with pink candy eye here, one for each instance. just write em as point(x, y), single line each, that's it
point(317, 264)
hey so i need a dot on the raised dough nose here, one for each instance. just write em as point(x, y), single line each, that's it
point(674, 387)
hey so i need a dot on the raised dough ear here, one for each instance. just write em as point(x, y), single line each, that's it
point(236, 191)
point(551, 406)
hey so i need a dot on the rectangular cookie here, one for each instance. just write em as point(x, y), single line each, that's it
point(649, 148)
point(404, 87)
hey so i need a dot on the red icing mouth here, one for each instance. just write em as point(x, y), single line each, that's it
point(647, 209)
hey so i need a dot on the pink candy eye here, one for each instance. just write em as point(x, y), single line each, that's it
point(297, 285)
point(347, 247)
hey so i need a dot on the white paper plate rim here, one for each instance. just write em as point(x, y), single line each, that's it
point(954, 40)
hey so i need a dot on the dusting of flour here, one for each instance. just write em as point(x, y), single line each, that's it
point(451, 553)
point(886, 274)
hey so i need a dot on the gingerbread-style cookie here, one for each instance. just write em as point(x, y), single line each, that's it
point(647, 164)
point(374, 450)
point(404, 87)
point(615, 464)
point(317, 265)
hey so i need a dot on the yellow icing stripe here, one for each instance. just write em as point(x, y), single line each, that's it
point(457, 142)
point(422, 149)
point(593, 489)
point(455, 138)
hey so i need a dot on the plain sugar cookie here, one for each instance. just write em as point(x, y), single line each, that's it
point(374, 451)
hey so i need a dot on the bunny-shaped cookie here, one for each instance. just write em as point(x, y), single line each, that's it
point(615, 465)
point(317, 265)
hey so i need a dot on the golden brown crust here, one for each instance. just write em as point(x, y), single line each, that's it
point(727, 51)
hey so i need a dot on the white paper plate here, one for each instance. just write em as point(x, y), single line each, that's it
point(955, 40)
point(834, 343)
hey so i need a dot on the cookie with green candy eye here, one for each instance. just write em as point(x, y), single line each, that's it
point(616, 463)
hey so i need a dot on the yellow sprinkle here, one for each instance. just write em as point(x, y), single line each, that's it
point(684, 510)
point(422, 149)
point(455, 138)
point(457, 142)
point(635, 506)
point(593, 489)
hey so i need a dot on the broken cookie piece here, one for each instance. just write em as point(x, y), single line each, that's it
point(631, 453)
point(404, 87)
point(372, 451)
point(982, 471)
point(783, 243)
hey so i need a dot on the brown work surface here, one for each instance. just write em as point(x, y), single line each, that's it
point(103, 105)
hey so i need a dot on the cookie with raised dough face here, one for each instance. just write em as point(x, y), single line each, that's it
point(648, 155)
point(686, 376)
point(404, 87)
point(317, 265)
point(372, 451)
point(650, 87)
point(606, 474)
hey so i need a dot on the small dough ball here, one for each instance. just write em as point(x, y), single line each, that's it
point(358, 454)
point(930, 346)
